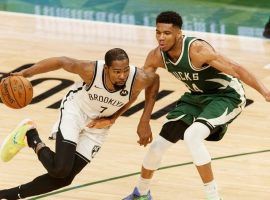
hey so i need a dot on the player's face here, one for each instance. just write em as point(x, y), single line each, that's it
point(118, 73)
point(167, 36)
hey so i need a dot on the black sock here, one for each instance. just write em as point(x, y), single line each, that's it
point(33, 138)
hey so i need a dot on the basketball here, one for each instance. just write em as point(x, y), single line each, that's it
point(16, 92)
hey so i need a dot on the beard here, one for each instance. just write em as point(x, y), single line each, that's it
point(176, 42)
point(119, 87)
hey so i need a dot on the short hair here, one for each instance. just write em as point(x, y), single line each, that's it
point(115, 54)
point(170, 17)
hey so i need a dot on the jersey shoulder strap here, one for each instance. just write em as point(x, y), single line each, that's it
point(131, 79)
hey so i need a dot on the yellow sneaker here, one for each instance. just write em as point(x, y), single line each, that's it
point(15, 141)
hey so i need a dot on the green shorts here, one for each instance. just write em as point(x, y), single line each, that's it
point(215, 110)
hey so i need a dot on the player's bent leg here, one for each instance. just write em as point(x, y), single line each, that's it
point(59, 163)
point(44, 184)
point(157, 149)
point(194, 139)
point(151, 163)
point(15, 141)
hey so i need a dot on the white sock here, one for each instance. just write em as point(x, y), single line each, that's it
point(211, 190)
point(143, 185)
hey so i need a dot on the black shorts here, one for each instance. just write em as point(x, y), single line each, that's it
point(174, 131)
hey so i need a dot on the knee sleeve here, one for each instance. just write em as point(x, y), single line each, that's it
point(155, 153)
point(194, 138)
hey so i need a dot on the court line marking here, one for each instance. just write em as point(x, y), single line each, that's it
point(137, 173)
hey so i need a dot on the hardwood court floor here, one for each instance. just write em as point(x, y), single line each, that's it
point(241, 162)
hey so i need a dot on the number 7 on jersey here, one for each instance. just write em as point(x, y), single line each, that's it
point(103, 108)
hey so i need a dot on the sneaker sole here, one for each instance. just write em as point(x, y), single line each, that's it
point(14, 142)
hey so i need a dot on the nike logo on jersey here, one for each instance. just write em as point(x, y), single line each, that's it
point(95, 150)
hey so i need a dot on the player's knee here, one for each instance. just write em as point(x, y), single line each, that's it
point(194, 139)
point(196, 133)
point(63, 182)
point(155, 153)
point(67, 181)
point(152, 159)
point(60, 172)
point(190, 138)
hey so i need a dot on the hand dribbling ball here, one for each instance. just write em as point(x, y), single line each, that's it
point(16, 92)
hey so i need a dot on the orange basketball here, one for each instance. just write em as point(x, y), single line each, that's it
point(16, 92)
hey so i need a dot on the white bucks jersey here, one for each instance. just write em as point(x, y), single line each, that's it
point(96, 100)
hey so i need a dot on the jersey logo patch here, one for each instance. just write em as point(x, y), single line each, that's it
point(123, 92)
point(95, 150)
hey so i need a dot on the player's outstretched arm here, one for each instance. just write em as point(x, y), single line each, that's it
point(205, 51)
point(80, 67)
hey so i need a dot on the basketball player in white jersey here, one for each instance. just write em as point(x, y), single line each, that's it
point(87, 112)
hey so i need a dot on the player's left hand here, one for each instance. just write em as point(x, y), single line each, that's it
point(103, 122)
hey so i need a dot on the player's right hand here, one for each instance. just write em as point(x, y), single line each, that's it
point(144, 132)
point(100, 123)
